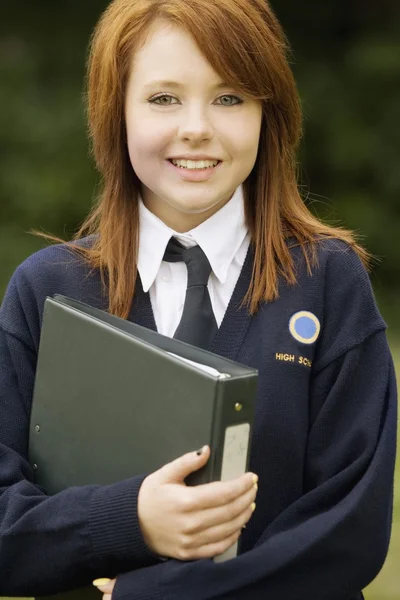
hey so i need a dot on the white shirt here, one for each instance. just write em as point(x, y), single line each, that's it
point(223, 238)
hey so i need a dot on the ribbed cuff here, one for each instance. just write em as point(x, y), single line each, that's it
point(139, 585)
point(114, 524)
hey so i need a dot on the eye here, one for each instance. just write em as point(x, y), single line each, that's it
point(154, 100)
point(240, 101)
point(162, 96)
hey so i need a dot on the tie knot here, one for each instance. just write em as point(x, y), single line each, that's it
point(197, 263)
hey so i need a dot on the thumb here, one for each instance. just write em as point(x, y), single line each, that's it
point(104, 585)
point(177, 470)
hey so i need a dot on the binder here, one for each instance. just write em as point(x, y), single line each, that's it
point(151, 397)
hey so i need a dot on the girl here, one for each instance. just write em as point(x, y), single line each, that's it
point(195, 122)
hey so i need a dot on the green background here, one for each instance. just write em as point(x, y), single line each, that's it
point(346, 57)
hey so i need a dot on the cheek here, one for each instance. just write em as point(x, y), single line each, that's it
point(145, 142)
point(251, 140)
point(144, 155)
point(245, 148)
point(244, 135)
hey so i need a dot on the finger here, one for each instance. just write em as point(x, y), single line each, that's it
point(223, 515)
point(177, 470)
point(221, 493)
point(105, 585)
point(221, 532)
point(215, 549)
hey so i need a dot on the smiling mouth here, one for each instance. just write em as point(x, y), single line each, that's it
point(194, 168)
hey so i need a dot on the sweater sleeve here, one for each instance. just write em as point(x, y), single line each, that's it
point(54, 543)
point(332, 541)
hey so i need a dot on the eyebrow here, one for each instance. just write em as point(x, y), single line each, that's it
point(175, 84)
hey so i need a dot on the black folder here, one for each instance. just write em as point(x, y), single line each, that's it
point(152, 398)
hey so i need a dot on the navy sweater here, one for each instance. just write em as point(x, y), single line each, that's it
point(323, 447)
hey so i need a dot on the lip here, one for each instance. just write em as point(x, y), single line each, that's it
point(198, 157)
point(194, 174)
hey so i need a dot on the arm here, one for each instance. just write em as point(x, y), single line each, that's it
point(333, 541)
point(48, 544)
point(52, 544)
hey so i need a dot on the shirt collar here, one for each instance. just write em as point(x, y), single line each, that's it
point(219, 237)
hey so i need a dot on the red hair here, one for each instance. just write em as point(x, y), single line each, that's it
point(244, 43)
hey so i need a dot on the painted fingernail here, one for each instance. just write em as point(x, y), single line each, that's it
point(100, 582)
point(256, 486)
point(255, 478)
point(253, 506)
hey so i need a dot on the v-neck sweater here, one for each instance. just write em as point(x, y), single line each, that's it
point(323, 446)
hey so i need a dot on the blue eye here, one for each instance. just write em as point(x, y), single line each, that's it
point(154, 100)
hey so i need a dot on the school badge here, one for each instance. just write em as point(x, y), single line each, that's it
point(304, 327)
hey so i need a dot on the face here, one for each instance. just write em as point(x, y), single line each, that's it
point(196, 116)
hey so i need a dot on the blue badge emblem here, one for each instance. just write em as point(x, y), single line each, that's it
point(304, 327)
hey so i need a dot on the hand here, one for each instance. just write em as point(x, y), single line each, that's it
point(189, 523)
point(106, 586)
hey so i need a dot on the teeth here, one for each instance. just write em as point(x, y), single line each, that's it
point(191, 164)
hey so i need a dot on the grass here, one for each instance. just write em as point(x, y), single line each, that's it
point(387, 585)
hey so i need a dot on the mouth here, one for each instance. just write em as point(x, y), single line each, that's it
point(217, 162)
point(196, 174)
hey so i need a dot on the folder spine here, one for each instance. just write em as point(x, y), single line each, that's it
point(234, 406)
point(231, 436)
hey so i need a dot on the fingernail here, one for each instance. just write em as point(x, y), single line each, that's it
point(256, 486)
point(203, 449)
point(255, 478)
point(102, 581)
point(253, 506)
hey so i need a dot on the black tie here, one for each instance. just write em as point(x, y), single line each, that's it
point(197, 325)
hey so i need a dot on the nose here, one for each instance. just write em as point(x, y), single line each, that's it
point(195, 124)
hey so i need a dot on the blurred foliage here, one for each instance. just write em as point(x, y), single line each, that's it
point(346, 57)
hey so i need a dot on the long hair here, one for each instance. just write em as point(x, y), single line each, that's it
point(244, 43)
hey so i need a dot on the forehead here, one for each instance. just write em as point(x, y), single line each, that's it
point(170, 54)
